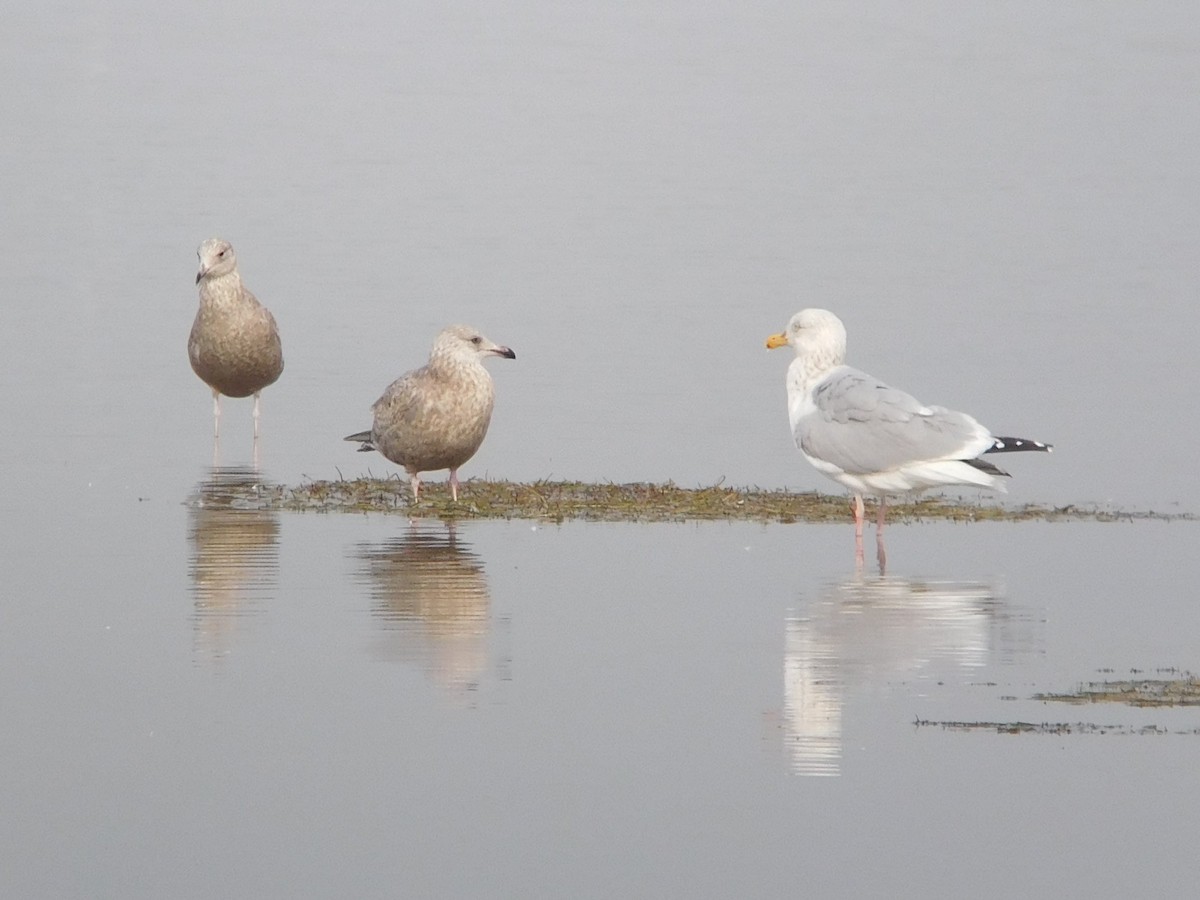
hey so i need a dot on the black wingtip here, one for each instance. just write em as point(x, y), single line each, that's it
point(1016, 445)
point(984, 466)
point(362, 437)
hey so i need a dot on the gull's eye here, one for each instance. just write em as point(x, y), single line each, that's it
point(477, 340)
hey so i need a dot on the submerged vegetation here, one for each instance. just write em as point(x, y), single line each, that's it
point(559, 501)
point(1182, 689)
point(1054, 728)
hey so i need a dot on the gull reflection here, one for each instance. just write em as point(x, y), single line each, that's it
point(233, 562)
point(868, 631)
point(430, 595)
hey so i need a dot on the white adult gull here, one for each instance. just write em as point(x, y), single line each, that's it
point(873, 438)
point(437, 416)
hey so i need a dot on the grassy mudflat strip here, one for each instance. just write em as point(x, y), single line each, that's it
point(1054, 728)
point(562, 500)
point(1182, 689)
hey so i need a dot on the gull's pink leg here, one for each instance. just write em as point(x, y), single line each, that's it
point(881, 552)
point(880, 549)
point(858, 530)
point(216, 413)
point(454, 484)
point(415, 480)
point(256, 415)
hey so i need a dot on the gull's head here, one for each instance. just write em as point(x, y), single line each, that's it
point(216, 259)
point(464, 343)
point(817, 335)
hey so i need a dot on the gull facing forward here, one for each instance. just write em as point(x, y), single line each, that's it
point(234, 346)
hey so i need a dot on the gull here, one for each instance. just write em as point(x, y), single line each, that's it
point(435, 417)
point(234, 345)
point(873, 438)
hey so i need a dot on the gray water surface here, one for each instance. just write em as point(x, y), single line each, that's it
point(999, 199)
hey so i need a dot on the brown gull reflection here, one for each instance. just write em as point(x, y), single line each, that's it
point(233, 559)
point(430, 596)
point(867, 632)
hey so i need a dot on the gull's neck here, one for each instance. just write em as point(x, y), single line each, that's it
point(221, 289)
point(448, 364)
point(809, 368)
point(804, 374)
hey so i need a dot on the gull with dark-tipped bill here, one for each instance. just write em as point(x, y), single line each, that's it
point(436, 417)
point(234, 345)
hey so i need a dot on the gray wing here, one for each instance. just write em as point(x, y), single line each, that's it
point(862, 425)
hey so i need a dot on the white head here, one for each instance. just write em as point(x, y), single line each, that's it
point(817, 336)
point(216, 259)
point(463, 343)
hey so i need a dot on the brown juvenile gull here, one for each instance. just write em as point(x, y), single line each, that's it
point(873, 438)
point(435, 417)
point(234, 345)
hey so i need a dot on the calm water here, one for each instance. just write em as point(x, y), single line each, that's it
point(1001, 202)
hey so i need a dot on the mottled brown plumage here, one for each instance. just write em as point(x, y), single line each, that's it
point(435, 417)
point(234, 346)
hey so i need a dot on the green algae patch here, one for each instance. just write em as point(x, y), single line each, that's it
point(559, 501)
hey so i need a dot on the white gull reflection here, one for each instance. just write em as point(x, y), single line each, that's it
point(870, 631)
